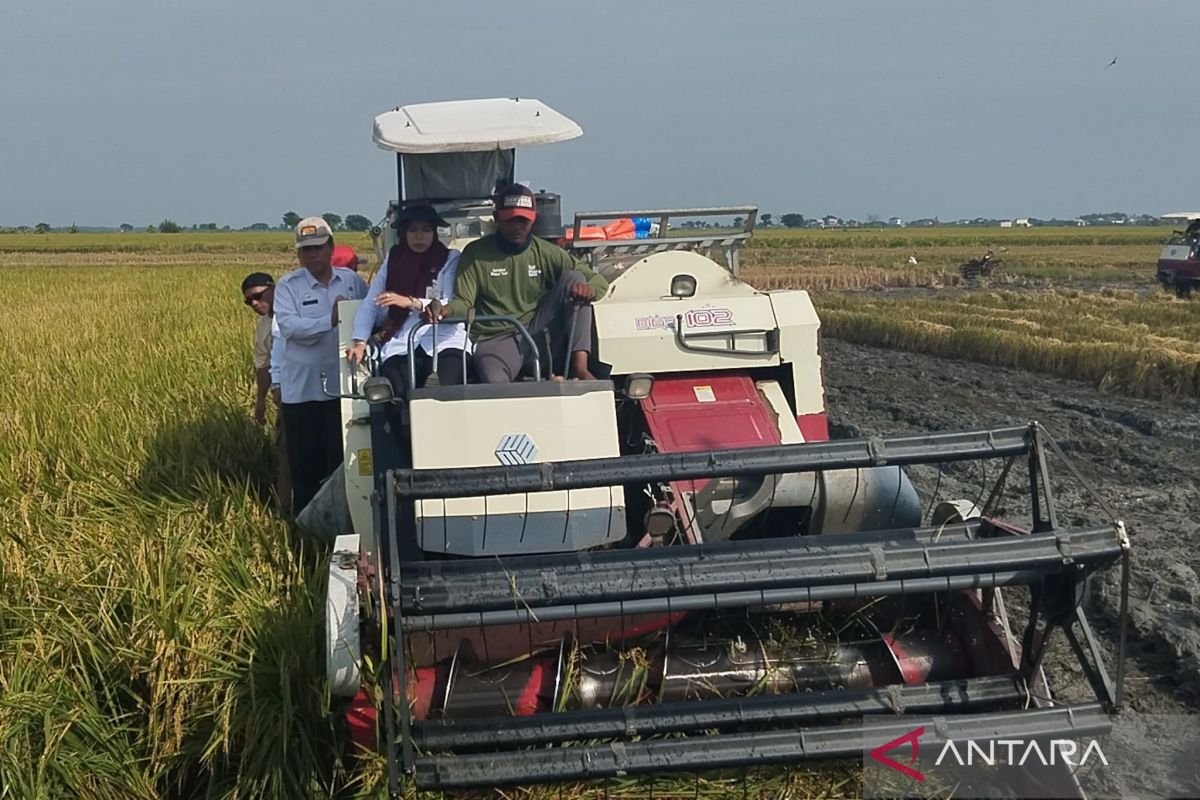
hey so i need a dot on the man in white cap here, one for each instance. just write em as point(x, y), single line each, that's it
point(307, 315)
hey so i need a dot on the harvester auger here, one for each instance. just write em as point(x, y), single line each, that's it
point(673, 568)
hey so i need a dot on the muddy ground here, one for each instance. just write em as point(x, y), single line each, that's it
point(1140, 455)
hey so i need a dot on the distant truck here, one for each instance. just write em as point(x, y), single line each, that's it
point(1179, 261)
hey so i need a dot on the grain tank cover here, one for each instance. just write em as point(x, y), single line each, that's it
point(465, 126)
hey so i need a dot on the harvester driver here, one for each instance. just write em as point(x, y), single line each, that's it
point(515, 273)
point(306, 310)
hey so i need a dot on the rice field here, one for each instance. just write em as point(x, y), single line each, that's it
point(837, 260)
point(1145, 346)
point(159, 622)
point(151, 604)
point(1079, 303)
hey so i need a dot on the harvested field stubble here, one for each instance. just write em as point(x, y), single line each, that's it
point(1144, 346)
point(848, 260)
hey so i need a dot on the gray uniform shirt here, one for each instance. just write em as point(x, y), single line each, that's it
point(303, 309)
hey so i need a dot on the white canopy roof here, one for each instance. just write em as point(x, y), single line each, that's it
point(1182, 215)
point(460, 126)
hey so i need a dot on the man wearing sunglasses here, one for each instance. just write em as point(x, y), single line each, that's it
point(258, 292)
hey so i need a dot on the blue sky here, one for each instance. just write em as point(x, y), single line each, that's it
point(233, 112)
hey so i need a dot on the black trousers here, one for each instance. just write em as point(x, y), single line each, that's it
point(450, 369)
point(314, 446)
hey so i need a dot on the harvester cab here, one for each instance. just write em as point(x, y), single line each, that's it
point(1179, 262)
point(677, 548)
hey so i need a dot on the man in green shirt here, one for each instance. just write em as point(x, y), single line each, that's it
point(516, 273)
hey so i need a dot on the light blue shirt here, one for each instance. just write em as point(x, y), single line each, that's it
point(276, 351)
point(303, 311)
point(371, 316)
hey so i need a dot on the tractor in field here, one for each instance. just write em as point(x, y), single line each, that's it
point(1179, 262)
point(981, 267)
point(705, 579)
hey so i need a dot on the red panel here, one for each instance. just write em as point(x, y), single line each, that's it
point(360, 717)
point(814, 427)
point(1188, 267)
point(530, 697)
point(708, 412)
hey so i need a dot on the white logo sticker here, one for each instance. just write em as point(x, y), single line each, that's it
point(518, 201)
point(516, 448)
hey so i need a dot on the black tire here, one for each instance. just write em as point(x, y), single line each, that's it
point(1183, 287)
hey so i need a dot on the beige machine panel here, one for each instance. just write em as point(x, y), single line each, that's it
point(799, 332)
point(636, 324)
point(492, 431)
point(637, 321)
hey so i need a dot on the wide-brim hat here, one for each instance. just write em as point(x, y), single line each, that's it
point(420, 212)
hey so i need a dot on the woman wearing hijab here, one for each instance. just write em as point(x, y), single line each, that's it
point(418, 269)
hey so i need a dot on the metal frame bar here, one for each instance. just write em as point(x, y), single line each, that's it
point(1124, 619)
point(664, 217)
point(400, 178)
point(393, 649)
point(719, 600)
point(661, 718)
point(635, 574)
point(1039, 478)
point(656, 467)
point(522, 331)
point(728, 242)
point(770, 336)
point(760, 748)
point(1093, 668)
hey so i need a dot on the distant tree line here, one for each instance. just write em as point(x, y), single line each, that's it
point(359, 223)
point(352, 222)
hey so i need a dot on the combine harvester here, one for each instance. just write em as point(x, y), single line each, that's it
point(674, 568)
point(1179, 262)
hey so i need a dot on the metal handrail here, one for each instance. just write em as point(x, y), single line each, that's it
point(520, 326)
point(684, 339)
point(664, 216)
point(929, 448)
point(729, 242)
